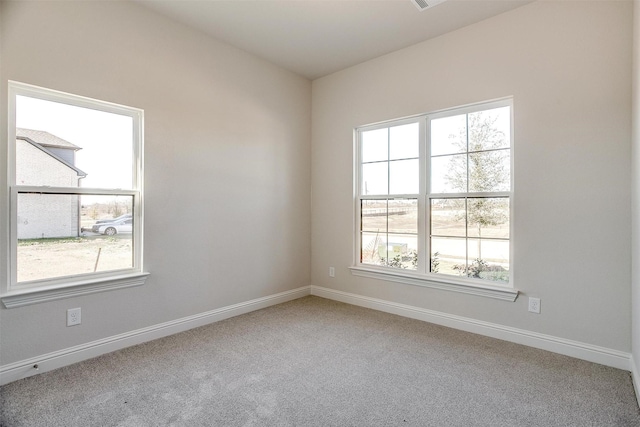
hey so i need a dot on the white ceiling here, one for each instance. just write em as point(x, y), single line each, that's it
point(318, 37)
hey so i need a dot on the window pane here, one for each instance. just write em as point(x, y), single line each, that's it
point(489, 260)
point(375, 178)
point(68, 146)
point(448, 255)
point(488, 217)
point(373, 248)
point(490, 129)
point(404, 177)
point(468, 157)
point(402, 251)
point(489, 171)
point(448, 217)
point(449, 135)
point(100, 210)
point(375, 145)
point(403, 216)
point(449, 174)
point(374, 216)
point(55, 236)
point(404, 141)
point(45, 216)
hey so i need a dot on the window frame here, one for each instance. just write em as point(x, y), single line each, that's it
point(422, 276)
point(14, 293)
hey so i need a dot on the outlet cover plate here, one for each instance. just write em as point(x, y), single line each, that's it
point(74, 316)
point(534, 305)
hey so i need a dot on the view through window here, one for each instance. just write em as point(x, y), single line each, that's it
point(434, 193)
point(76, 188)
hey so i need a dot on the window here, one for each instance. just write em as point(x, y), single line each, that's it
point(433, 200)
point(75, 178)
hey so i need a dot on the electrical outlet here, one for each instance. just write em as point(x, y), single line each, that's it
point(74, 316)
point(534, 305)
point(332, 272)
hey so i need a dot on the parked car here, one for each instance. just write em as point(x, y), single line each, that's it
point(96, 227)
point(116, 227)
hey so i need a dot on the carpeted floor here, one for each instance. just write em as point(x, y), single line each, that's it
point(316, 362)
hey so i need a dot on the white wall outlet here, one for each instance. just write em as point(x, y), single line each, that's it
point(74, 316)
point(332, 272)
point(534, 305)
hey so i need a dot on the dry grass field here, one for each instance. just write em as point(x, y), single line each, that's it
point(49, 258)
point(387, 227)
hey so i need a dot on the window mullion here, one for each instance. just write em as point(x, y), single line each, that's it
point(466, 232)
point(466, 199)
point(386, 235)
point(424, 203)
point(34, 189)
point(485, 194)
point(13, 239)
point(455, 216)
point(358, 190)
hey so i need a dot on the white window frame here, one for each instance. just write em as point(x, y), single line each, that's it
point(422, 276)
point(14, 294)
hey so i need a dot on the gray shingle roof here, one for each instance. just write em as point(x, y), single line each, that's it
point(50, 141)
point(45, 138)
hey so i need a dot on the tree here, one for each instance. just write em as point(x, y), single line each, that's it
point(94, 211)
point(116, 209)
point(484, 169)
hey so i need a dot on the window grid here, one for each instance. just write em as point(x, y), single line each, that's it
point(498, 270)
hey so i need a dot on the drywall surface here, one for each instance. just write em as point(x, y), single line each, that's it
point(568, 67)
point(227, 164)
point(635, 251)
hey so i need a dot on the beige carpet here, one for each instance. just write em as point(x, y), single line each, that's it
point(315, 362)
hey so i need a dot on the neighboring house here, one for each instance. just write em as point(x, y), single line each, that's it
point(45, 159)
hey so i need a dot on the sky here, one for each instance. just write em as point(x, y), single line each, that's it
point(105, 138)
point(390, 155)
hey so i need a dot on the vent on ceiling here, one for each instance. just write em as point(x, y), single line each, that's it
point(425, 4)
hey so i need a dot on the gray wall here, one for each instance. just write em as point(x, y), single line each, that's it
point(227, 164)
point(568, 67)
point(636, 194)
point(228, 156)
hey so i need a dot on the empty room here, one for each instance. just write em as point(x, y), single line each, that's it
point(320, 213)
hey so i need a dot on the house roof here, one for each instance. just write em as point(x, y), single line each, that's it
point(45, 139)
point(50, 141)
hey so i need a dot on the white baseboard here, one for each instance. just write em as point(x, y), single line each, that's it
point(579, 350)
point(68, 356)
point(635, 378)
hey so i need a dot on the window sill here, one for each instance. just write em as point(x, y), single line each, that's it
point(490, 291)
point(24, 297)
